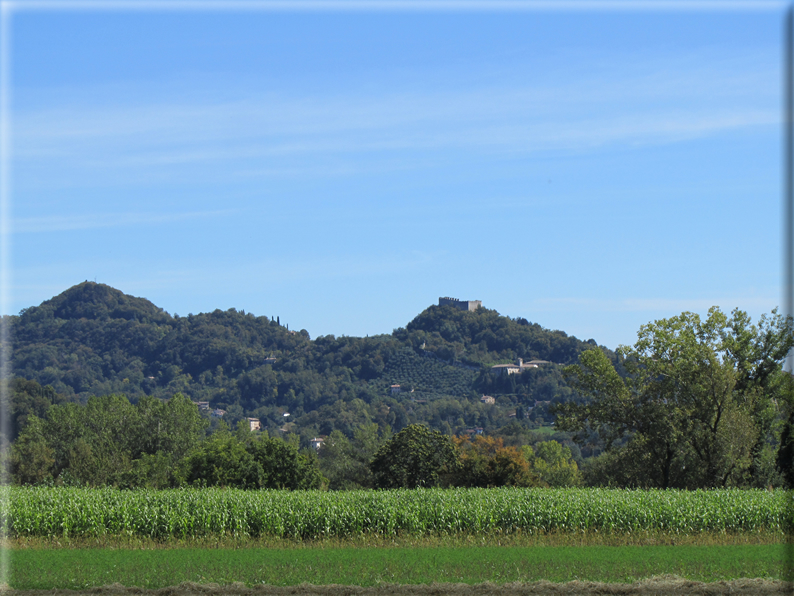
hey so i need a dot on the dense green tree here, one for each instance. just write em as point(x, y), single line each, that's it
point(337, 463)
point(158, 470)
point(784, 459)
point(31, 457)
point(691, 408)
point(222, 460)
point(29, 398)
point(110, 441)
point(94, 442)
point(553, 463)
point(174, 427)
point(415, 457)
point(283, 467)
point(345, 463)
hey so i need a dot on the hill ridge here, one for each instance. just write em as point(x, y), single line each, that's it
point(93, 339)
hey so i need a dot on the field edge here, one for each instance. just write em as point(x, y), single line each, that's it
point(518, 539)
point(658, 585)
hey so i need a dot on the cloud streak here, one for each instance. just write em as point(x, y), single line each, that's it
point(93, 221)
point(317, 133)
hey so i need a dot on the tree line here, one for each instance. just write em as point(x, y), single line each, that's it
point(162, 444)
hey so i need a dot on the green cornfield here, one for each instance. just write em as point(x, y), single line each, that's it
point(193, 513)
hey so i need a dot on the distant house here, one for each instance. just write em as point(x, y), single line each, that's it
point(317, 442)
point(487, 399)
point(203, 405)
point(254, 423)
point(395, 389)
point(270, 360)
point(506, 369)
point(474, 431)
point(218, 413)
point(517, 368)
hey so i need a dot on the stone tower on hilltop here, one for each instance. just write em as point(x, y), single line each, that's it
point(460, 304)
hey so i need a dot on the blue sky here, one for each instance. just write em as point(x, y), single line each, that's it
point(590, 171)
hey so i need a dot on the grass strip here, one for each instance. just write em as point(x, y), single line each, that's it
point(78, 569)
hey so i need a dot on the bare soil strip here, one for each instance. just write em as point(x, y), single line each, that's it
point(656, 586)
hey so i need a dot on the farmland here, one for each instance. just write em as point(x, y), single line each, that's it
point(190, 513)
point(152, 569)
point(73, 538)
point(427, 375)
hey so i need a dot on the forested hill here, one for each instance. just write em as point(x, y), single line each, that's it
point(93, 340)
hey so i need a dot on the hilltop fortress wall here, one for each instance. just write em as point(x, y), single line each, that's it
point(460, 304)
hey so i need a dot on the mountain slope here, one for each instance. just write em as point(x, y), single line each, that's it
point(93, 339)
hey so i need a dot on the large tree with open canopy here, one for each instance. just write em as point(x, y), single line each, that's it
point(698, 403)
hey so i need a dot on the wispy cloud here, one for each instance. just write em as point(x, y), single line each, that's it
point(356, 129)
point(32, 225)
point(268, 127)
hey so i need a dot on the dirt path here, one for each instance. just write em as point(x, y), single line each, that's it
point(659, 586)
